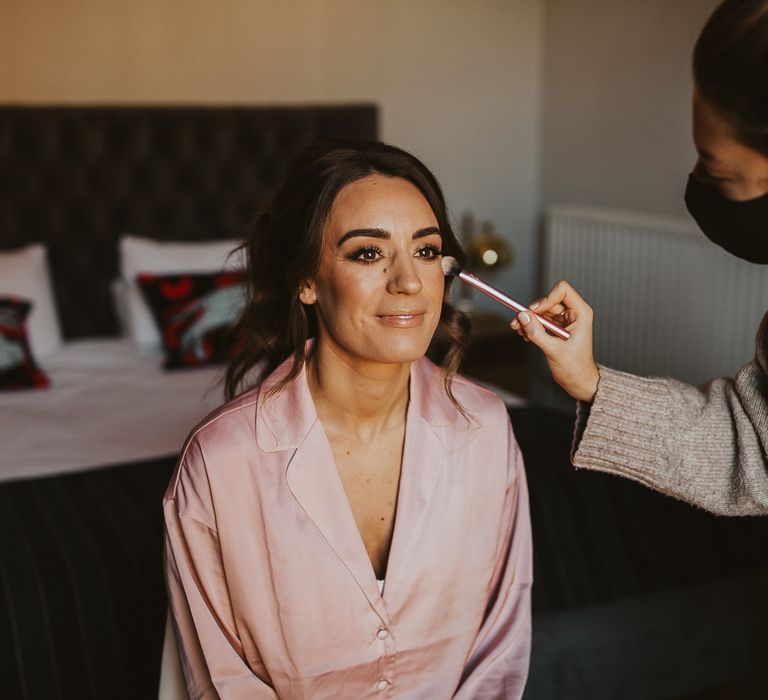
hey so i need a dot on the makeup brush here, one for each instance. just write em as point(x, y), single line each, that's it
point(452, 268)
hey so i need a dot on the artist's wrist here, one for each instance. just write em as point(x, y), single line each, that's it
point(586, 388)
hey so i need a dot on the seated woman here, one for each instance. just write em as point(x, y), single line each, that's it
point(357, 524)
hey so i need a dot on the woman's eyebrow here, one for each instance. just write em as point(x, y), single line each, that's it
point(382, 234)
point(708, 157)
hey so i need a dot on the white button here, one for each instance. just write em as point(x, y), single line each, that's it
point(382, 633)
point(382, 685)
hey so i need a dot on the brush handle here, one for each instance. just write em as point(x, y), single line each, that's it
point(510, 303)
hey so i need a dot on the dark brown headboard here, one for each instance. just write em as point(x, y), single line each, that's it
point(75, 178)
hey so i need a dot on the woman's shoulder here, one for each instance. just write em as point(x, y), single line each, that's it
point(241, 408)
point(482, 397)
point(258, 420)
point(222, 435)
point(478, 403)
point(224, 424)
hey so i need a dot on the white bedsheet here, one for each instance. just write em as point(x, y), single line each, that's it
point(106, 405)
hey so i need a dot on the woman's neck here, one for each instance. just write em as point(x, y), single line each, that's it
point(360, 398)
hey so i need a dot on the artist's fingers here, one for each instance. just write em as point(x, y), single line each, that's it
point(520, 332)
point(557, 313)
point(560, 318)
point(515, 325)
point(544, 305)
point(561, 298)
point(554, 312)
point(570, 361)
point(531, 329)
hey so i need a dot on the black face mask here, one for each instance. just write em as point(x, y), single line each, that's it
point(741, 228)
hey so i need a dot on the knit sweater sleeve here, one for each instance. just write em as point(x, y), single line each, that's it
point(705, 445)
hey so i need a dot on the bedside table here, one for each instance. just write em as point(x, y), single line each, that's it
point(496, 354)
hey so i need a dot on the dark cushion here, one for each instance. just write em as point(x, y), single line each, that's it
point(18, 369)
point(195, 314)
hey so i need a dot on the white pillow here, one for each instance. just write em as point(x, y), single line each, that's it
point(138, 255)
point(24, 273)
point(118, 293)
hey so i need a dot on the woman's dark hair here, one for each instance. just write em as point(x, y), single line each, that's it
point(730, 68)
point(284, 243)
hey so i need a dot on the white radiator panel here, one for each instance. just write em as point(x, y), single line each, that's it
point(666, 300)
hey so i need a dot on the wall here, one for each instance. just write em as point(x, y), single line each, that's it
point(515, 104)
point(616, 102)
point(457, 82)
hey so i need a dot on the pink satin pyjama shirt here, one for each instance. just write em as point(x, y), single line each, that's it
point(272, 591)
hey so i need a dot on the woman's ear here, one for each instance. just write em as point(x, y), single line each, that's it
point(307, 293)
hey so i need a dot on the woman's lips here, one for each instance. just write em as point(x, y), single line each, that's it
point(404, 319)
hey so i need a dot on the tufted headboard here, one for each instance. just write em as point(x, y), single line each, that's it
point(76, 178)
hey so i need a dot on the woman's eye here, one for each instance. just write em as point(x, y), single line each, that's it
point(428, 252)
point(713, 179)
point(366, 255)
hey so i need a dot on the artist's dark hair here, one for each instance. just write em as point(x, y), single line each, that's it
point(730, 68)
point(283, 245)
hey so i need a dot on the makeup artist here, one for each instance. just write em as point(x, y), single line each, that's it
point(356, 524)
point(706, 445)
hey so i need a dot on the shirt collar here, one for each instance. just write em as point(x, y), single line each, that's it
point(284, 419)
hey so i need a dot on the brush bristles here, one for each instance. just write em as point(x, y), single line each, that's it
point(451, 267)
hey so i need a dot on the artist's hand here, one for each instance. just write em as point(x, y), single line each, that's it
point(570, 361)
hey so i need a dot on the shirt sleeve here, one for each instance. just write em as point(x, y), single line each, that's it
point(704, 445)
point(497, 666)
point(210, 652)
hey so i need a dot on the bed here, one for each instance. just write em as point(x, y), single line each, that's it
point(88, 185)
point(84, 462)
point(636, 595)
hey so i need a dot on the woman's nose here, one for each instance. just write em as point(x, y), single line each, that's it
point(403, 276)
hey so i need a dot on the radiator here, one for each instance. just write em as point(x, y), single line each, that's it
point(666, 300)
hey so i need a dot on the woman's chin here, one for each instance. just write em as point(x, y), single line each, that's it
point(401, 345)
point(391, 353)
point(386, 346)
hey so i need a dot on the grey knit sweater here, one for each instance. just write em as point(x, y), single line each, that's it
point(706, 445)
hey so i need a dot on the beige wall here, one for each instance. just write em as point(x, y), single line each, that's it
point(457, 81)
point(616, 102)
point(515, 104)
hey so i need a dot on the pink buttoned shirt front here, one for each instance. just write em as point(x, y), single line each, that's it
point(272, 591)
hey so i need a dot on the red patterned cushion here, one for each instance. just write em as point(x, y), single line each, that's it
point(18, 369)
point(195, 314)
